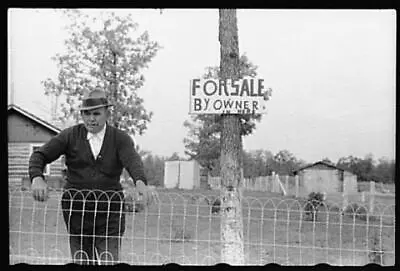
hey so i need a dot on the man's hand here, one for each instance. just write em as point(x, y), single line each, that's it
point(144, 192)
point(39, 189)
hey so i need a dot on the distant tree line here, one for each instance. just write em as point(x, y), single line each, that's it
point(368, 169)
point(261, 163)
point(264, 162)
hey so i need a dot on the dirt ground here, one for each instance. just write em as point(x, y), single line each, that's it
point(181, 228)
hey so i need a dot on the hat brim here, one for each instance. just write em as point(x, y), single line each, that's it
point(85, 108)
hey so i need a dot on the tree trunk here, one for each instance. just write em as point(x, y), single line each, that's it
point(114, 90)
point(231, 148)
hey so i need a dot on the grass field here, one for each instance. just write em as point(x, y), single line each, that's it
point(181, 228)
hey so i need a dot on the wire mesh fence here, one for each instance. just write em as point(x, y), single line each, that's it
point(184, 227)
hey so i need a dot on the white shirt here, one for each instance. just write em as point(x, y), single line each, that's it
point(96, 141)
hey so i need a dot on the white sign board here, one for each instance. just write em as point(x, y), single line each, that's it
point(213, 96)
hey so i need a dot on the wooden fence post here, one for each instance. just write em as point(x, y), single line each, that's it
point(265, 182)
point(273, 182)
point(371, 196)
point(345, 200)
point(287, 184)
point(296, 182)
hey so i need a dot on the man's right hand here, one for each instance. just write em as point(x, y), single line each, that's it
point(39, 189)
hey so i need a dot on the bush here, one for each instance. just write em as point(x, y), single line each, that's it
point(216, 206)
point(314, 201)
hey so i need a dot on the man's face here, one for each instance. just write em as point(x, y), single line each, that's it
point(95, 119)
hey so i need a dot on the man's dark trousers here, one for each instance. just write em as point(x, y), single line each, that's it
point(95, 221)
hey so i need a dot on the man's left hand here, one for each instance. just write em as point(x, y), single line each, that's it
point(144, 192)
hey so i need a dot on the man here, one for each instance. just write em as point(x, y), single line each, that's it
point(92, 201)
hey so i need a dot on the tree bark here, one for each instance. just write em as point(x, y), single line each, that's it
point(114, 89)
point(231, 148)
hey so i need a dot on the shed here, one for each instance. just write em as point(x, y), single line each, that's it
point(325, 177)
point(182, 174)
point(25, 133)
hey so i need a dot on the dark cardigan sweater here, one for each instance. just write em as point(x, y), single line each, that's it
point(83, 171)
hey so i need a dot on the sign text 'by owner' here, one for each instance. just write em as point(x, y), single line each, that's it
point(213, 96)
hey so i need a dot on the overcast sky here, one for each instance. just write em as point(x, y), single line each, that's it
point(332, 73)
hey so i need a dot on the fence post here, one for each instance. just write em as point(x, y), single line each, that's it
point(345, 201)
point(371, 196)
point(265, 182)
point(287, 184)
point(279, 188)
point(260, 184)
point(296, 182)
point(273, 182)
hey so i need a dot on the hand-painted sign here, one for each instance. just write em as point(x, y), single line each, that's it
point(213, 96)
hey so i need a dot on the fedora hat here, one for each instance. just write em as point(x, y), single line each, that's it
point(94, 99)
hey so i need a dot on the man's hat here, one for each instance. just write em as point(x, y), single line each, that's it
point(94, 99)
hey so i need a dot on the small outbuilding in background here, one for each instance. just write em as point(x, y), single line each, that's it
point(325, 177)
point(182, 174)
